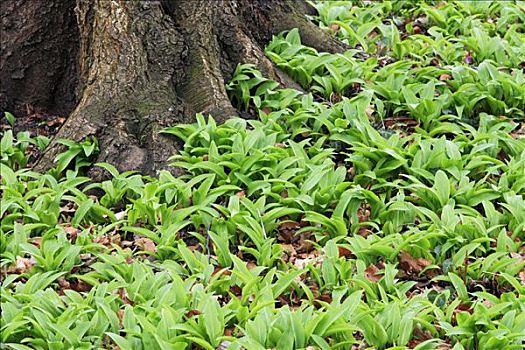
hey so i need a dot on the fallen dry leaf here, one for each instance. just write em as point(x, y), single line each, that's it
point(37, 241)
point(444, 346)
point(461, 308)
point(223, 271)
point(302, 263)
point(334, 98)
point(364, 232)
point(146, 244)
point(104, 240)
point(325, 297)
point(488, 303)
point(400, 122)
point(372, 273)
point(192, 313)
point(289, 225)
point(22, 265)
point(63, 283)
point(85, 256)
point(194, 247)
point(120, 315)
point(287, 230)
point(420, 336)
point(224, 345)
point(346, 253)
point(334, 27)
point(80, 286)
point(434, 62)
point(369, 111)
point(289, 252)
point(236, 290)
point(71, 232)
point(305, 243)
point(288, 248)
point(120, 215)
point(363, 212)
point(68, 208)
point(520, 133)
point(411, 265)
point(126, 243)
point(229, 331)
point(56, 121)
point(266, 110)
point(124, 296)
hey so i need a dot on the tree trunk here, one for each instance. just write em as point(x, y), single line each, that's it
point(124, 69)
point(38, 51)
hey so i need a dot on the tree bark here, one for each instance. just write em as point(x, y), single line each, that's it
point(124, 69)
point(38, 55)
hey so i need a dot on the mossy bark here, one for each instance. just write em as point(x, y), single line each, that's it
point(141, 65)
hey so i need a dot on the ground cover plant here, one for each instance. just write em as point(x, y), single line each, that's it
point(381, 207)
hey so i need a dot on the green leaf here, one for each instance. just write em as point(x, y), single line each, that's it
point(459, 285)
point(442, 186)
point(373, 331)
point(17, 346)
point(284, 282)
point(121, 342)
point(10, 118)
point(348, 307)
point(81, 212)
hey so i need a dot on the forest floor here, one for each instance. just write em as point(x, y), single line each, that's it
point(382, 209)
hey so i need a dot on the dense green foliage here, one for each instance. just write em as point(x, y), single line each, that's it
point(383, 208)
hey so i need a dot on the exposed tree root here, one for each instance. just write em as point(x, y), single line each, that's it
point(131, 52)
point(146, 65)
